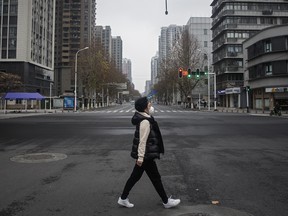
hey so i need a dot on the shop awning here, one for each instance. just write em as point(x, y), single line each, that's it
point(23, 96)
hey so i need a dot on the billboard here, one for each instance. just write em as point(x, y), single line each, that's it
point(68, 102)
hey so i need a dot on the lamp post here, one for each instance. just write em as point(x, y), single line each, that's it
point(75, 91)
point(208, 77)
point(166, 11)
point(208, 73)
point(51, 84)
point(215, 96)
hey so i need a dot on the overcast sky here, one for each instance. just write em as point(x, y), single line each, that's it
point(139, 22)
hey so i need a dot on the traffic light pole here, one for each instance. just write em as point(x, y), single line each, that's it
point(208, 82)
point(215, 96)
point(247, 100)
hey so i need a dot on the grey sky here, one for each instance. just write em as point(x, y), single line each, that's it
point(139, 22)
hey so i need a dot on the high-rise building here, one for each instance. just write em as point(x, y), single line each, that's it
point(127, 69)
point(117, 52)
point(112, 45)
point(75, 29)
point(200, 29)
point(168, 38)
point(234, 22)
point(147, 87)
point(104, 38)
point(27, 42)
point(154, 69)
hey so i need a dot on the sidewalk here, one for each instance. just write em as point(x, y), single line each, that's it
point(22, 113)
point(251, 111)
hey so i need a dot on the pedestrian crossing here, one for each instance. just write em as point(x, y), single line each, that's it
point(133, 110)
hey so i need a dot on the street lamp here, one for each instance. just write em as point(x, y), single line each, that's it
point(75, 91)
point(51, 84)
point(208, 77)
point(166, 11)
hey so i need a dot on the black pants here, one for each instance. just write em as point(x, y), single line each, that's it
point(151, 169)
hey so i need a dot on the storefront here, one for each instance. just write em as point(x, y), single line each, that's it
point(232, 96)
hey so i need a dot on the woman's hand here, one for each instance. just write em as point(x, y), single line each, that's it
point(139, 163)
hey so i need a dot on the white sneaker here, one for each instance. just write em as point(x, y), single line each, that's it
point(171, 203)
point(125, 203)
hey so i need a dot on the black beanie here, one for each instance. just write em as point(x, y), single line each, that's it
point(141, 104)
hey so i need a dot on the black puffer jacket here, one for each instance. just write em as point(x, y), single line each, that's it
point(154, 145)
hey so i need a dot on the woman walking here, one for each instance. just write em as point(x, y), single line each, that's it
point(147, 146)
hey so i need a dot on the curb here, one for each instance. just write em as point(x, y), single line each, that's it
point(199, 210)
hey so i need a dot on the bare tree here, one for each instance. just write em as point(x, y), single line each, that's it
point(97, 71)
point(186, 55)
point(9, 82)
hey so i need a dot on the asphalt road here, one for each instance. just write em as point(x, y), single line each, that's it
point(236, 160)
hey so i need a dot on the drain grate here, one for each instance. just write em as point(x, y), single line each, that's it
point(38, 157)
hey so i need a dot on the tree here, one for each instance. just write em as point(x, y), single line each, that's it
point(184, 54)
point(97, 72)
point(9, 82)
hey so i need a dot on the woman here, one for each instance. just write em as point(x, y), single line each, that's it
point(147, 146)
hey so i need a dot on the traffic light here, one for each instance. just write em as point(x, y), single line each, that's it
point(247, 88)
point(197, 73)
point(189, 73)
point(180, 72)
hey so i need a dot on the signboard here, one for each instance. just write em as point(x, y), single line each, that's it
point(277, 89)
point(58, 103)
point(121, 85)
point(68, 102)
point(125, 92)
point(233, 90)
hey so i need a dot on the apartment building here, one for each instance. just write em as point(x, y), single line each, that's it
point(104, 38)
point(27, 42)
point(154, 69)
point(75, 29)
point(112, 45)
point(167, 39)
point(127, 68)
point(117, 52)
point(234, 22)
point(266, 68)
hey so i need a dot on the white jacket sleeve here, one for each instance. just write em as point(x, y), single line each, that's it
point(143, 135)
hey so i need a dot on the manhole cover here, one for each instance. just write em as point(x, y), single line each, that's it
point(38, 157)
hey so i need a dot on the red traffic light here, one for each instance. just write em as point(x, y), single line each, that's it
point(180, 72)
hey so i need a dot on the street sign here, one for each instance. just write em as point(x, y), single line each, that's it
point(121, 85)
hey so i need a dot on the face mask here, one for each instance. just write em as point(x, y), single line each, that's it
point(151, 110)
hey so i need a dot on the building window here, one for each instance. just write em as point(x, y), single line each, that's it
point(205, 31)
point(267, 46)
point(268, 69)
point(205, 43)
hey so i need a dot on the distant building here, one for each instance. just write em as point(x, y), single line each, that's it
point(104, 37)
point(154, 69)
point(147, 87)
point(266, 71)
point(112, 45)
point(27, 42)
point(167, 39)
point(234, 22)
point(117, 52)
point(127, 69)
